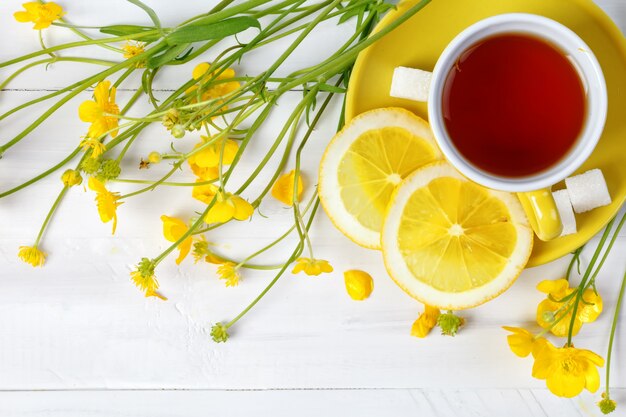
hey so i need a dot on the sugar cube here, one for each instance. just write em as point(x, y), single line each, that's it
point(410, 83)
point(588, 191)
point(564, 207)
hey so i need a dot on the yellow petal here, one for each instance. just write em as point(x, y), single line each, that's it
point(421, 327)
point(521, 341)
point(231, 148)
point(243, 209)
point(592, 378)
point(556, 288)
point(591, 308)
point(359, 284)
point(204, 193)
point(565, 384)
point(101, 93)
point(298, 267)
point(200, 70)
point(184, 249)
point(282, 190)
point(221, 212)
point(89, 111)
point(23, 16)
point(96, 185)
point(173, 228)
point(324, 266)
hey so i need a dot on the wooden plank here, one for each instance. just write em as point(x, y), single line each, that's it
point(304, 403)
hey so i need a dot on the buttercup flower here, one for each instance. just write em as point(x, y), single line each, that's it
point(42, 15)
point(32, 255)
point(212, 89)
point(228, 271)
point(204, 192)
point(205, 173)
point(132, 49)
point(210, 155)
point(425, 322)
point(567, 370)
point(106, 201)
point(71, 178)
point(174, 229)
point(143, 277)
point(201, 251)
point(522, 341)
point(359, 284)
point(282, 190)
point(97, 147)
point(312, 266)
point(227, 207)
point(551, 309)
point(97, 111)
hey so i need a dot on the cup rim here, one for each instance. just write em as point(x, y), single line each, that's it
point(591, 75)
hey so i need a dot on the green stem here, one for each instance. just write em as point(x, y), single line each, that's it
point(609, 352)
point(43, 174)
point(293, 256)
point(77, 45)
point(49, 215)
point(583, 282)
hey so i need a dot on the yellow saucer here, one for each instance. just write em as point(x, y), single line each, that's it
point(419, 42)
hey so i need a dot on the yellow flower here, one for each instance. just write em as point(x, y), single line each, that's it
point(213, 88)
point(227, 207)
point(551, 309)
point(204, 192)
point(204, 164)
point(93, 111)
point(425, 322)
point(201, 251)
point(359, 284)
point(312, 266)
point(228, 271)
point(210, 155)
point(97, 147)
point(32, 255)
point(174, 229)
point(567, 370)
point(132, 49)
point(522, 342)
point(106, 201)
point(143, 277)
point(42, 15)
point(71, 178)
point(282, 190)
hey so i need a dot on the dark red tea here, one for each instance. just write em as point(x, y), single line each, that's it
point(513, 105)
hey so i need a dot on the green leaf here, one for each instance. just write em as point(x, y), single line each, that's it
point(127, 30)
point(217, 30)
point(331, 88)
point(150, 12)
point(166, 57)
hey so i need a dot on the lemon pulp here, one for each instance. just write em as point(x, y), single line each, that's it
point(375, 163)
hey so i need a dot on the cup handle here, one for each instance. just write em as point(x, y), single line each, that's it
point(542, 213)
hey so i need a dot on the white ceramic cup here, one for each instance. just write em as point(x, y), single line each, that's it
point(535, 194)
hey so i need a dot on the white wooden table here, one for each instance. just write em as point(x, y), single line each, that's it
point(77, 339)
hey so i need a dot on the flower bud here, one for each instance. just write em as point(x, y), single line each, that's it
point(154, 157)
point(71, 178)
point(178, 131)
point(219, 333)
point(359, 284)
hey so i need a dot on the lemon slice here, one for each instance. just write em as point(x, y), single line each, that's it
point(365, 162)
point(451, 243)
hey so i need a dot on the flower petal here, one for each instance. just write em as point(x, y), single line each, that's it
point(243, 209)
point(221, 212)
point(89, 111)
